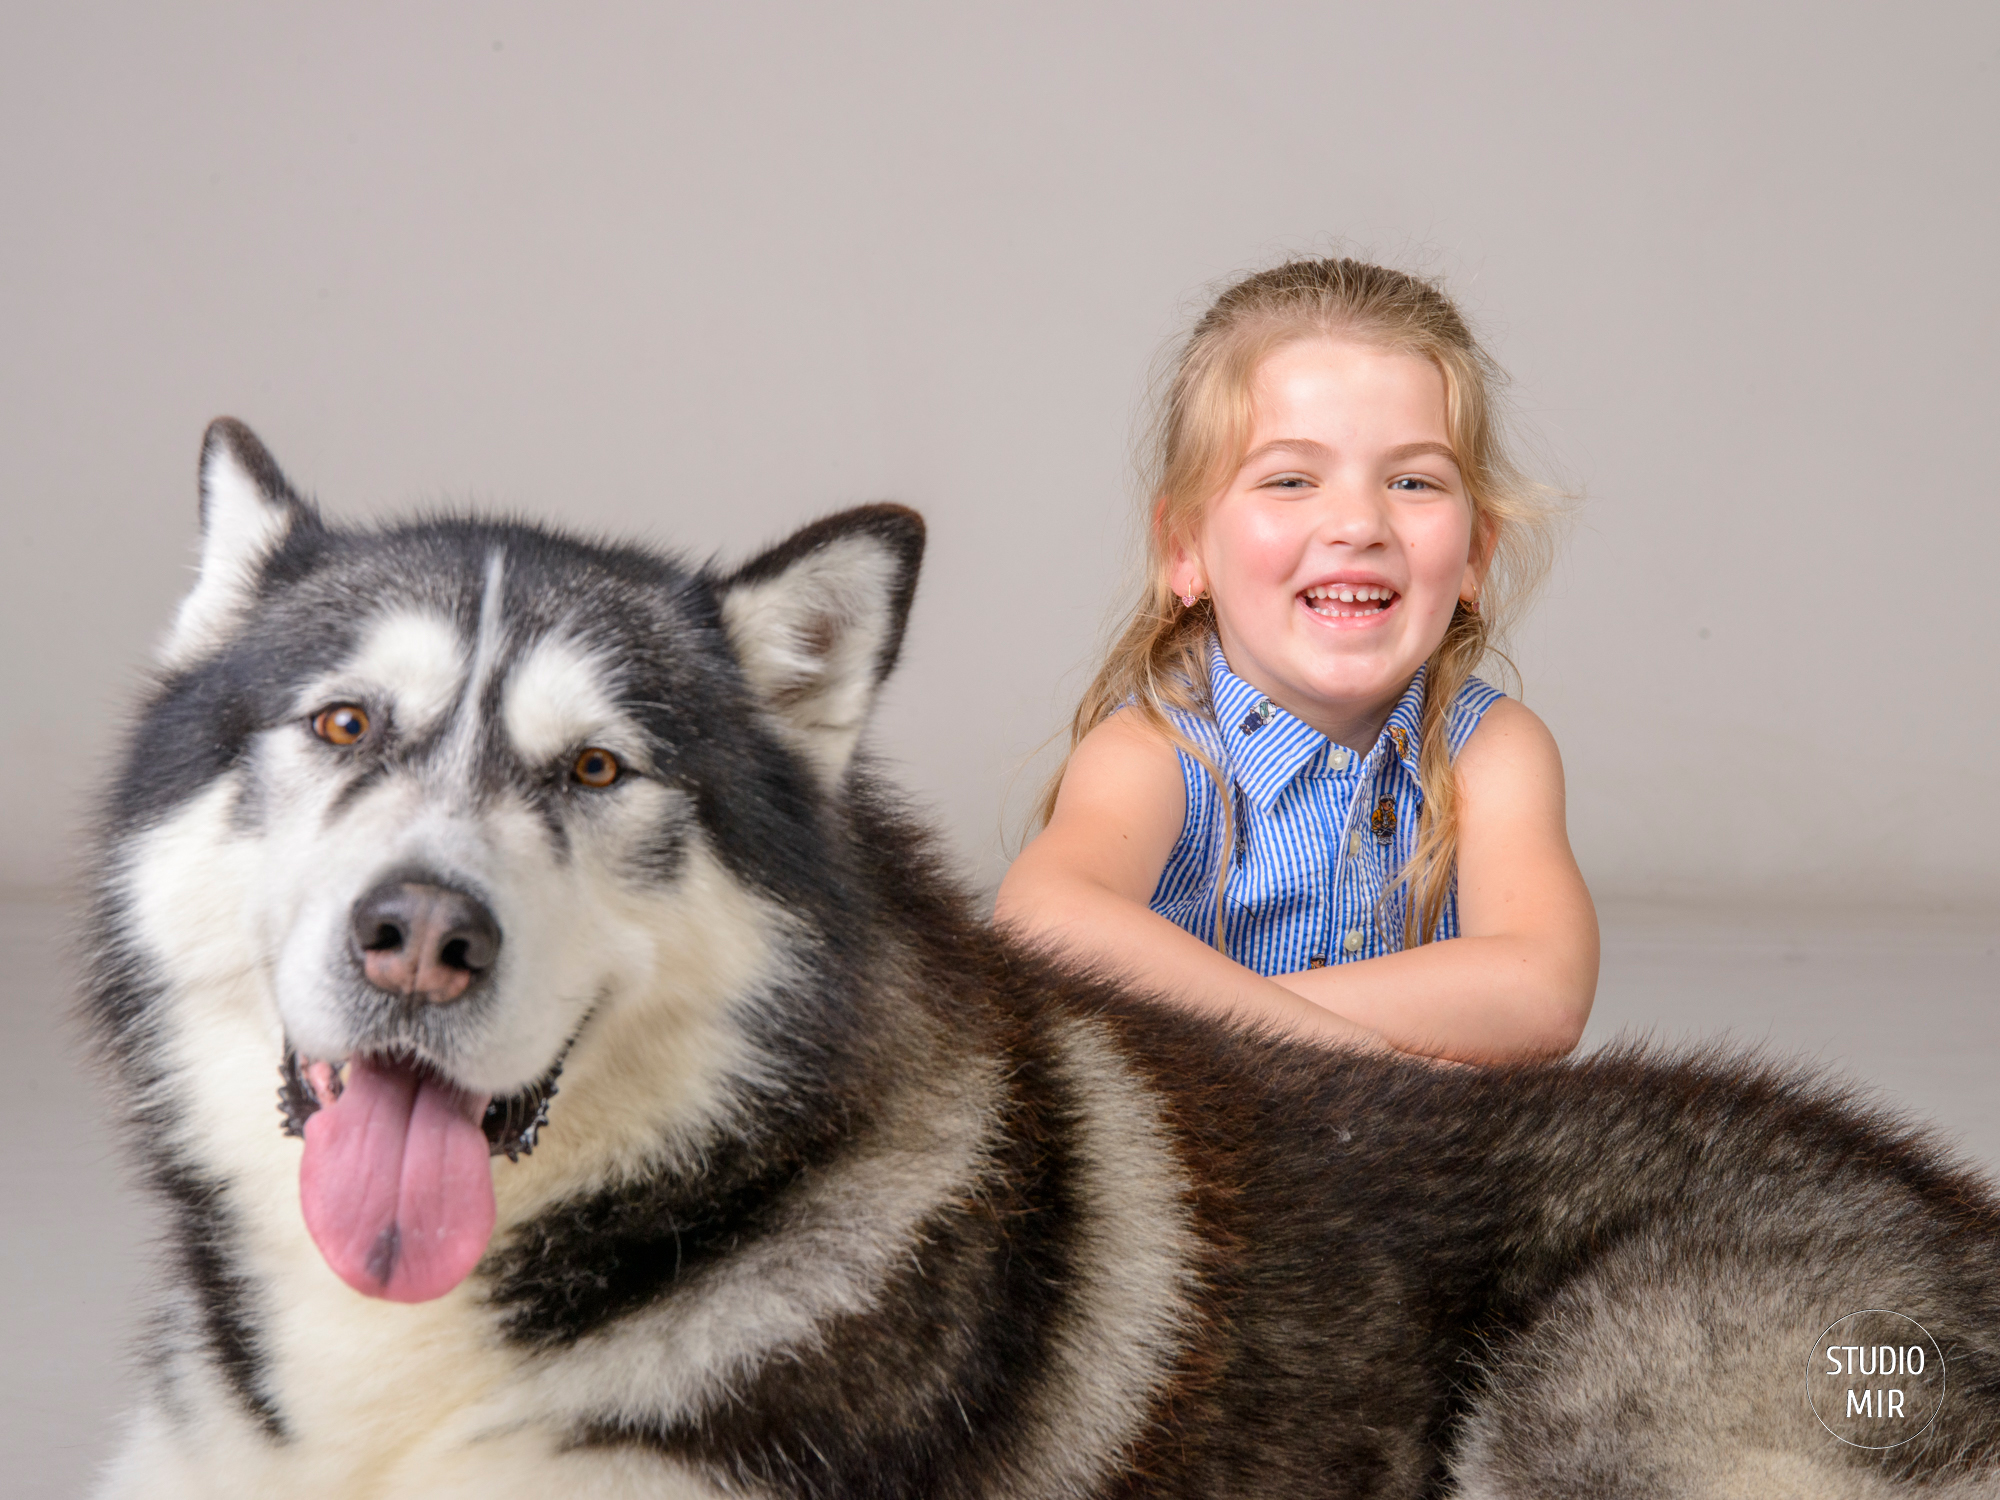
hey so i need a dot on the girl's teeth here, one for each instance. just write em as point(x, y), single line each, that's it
point(1347, 593)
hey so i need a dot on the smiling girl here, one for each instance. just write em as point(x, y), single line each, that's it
point(1287, 797)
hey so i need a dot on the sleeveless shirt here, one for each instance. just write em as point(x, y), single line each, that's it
point(1321, 832)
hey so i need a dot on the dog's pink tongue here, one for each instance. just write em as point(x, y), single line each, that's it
point(397, 1182)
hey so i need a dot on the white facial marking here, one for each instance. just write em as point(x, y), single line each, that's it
point(658, 1068)
point(189, 880)
point(414, 659)
point(556, 699)
point(492, 598)
point(485, 657)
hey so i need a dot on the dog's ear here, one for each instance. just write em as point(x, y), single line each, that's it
point(817, 621)
point(247, 511)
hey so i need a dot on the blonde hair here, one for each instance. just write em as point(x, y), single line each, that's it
point(1202, 426)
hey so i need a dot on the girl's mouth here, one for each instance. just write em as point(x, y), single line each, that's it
point(1349, 601)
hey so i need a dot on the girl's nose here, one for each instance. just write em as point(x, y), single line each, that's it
point(1352, 516)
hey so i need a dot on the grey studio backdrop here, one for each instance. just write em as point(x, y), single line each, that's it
point(698, 274)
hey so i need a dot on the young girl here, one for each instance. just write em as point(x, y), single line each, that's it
point(1287, 797)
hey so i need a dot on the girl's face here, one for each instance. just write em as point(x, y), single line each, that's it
point(1337, 552)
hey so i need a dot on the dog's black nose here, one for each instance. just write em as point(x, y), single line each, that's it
point(423, 940)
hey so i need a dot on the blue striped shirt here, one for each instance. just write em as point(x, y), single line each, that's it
point(1320, 831)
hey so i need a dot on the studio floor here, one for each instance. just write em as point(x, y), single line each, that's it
point(1904, 1005)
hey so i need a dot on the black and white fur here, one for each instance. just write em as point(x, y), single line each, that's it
point(841, 1194)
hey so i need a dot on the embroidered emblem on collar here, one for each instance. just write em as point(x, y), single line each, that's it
point(1401, 737)
point(1383, 819)
point(1258, 717)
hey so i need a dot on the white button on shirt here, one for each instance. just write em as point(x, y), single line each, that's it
point(1354, 939)
point(1357, 843)
point(1340, 756)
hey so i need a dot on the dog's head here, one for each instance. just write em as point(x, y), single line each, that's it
point(443, 798)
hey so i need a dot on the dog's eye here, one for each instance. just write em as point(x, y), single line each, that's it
point(343, 724)
point(595, 767)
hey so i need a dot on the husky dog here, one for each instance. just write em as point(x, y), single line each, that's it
point(654, 1119)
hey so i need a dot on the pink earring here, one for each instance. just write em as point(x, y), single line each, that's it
point(1188, 599)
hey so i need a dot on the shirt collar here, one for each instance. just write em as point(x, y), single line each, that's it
point(1266, 748)
point(1401, 735)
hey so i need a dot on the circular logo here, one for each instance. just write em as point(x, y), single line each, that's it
point(1875, 1379)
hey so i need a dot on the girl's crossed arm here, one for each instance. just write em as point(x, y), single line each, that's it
point(1082, 885)
point(1517, 984)
point(1519, 980)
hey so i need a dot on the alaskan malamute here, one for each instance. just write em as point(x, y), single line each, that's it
point(567, 1072)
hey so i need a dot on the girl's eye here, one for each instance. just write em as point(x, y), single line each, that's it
point(594, 768)
point(342, 724)
point(1411, 481)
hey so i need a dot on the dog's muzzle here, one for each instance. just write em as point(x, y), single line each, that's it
point(423, 940)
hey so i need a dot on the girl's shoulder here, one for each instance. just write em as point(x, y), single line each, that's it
point(1127, 743)
point(1508, 744)
point(1468, 710)
point(1122, 790)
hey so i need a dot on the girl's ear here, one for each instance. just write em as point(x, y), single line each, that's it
point(1185, 573)
point(1485, 539)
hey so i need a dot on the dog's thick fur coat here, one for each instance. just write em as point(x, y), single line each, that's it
point(839, 1192)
